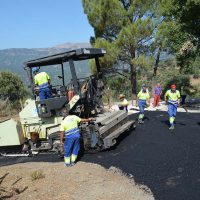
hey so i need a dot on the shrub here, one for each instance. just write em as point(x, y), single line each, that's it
point(12, 89)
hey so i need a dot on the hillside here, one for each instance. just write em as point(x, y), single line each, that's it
point(13, 59)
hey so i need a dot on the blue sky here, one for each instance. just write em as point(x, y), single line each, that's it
point(42, 23)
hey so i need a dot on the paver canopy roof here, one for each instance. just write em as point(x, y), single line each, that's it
point(75, 55)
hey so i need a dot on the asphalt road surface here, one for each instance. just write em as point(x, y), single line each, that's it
point(168, 162)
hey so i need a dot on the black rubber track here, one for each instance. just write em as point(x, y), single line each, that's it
point(168, 162)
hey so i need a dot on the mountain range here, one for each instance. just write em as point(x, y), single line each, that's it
point(13, 59)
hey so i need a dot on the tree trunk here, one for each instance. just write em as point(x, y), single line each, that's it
point(133, 75)
point(133, 81)
point(156, 63)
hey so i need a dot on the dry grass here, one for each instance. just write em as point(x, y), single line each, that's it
point(6, 111)
point(38, 174)
point(5, 108)
point(194, 81)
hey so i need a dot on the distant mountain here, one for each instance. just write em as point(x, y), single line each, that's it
point(69, 45)
point(13, 59)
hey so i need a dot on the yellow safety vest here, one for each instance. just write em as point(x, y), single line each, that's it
point(173, 96)
point(41, 79)
point(124, 102)
point(143, 95)
point(70, 124)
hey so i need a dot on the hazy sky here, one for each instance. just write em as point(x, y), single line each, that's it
point(42, 23)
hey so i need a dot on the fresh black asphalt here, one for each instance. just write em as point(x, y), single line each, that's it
point(168, 162)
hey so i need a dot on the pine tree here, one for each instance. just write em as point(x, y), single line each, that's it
point(127, 25)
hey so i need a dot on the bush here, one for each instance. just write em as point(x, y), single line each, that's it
point(5, 108)
point(181, 80)
point(12, 88)
point(117, 85)
point(196, 76)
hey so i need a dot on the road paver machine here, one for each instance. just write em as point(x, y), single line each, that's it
point(39, 121)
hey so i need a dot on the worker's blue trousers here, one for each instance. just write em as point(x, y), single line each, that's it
point(44, 93)
point(142, 105)
point(125, 108)
point(71, 148)
point(172, 110)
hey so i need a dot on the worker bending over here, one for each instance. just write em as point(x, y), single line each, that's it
point(172, 98)
point(42, 80)
point(142, 100)
point(70, 137)
point(123, 105)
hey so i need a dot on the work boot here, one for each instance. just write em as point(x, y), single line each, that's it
point(171, 127)
point(140, 121)
point(73, 163)
point(67, 165)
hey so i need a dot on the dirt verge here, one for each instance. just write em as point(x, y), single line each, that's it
point(53, 181)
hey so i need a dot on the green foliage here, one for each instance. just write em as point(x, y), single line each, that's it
point(143, 64)
point(185, 13)
point(170, 75)
point(111, 56)
point(132, 38)
point(196, 91)
point(12, 87)
point(118, 84)
point(169, 33)
point(105, 16)
point(196, 66)
point(5, 108)
point(126, 24)
point(186, 56)
point(182, 80)
point(180, 26)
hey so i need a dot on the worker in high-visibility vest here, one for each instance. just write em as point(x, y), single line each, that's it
point(42, 80)
point(70, 137)
point(142, 100)
point(123, 105)
point(172, 98)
